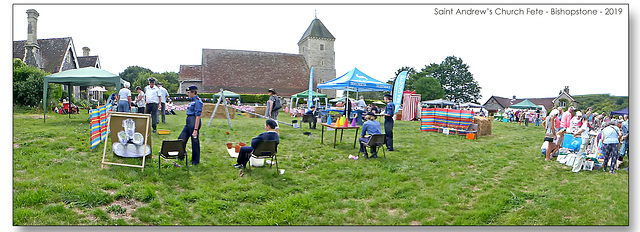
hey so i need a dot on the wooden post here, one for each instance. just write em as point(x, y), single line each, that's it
point(225, 109)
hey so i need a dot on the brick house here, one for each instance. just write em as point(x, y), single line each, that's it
point(52, 55)
point(564, 99)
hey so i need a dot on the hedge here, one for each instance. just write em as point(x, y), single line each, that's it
point(208, 97)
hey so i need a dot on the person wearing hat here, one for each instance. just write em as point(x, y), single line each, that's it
point(582, 132)
point(269, 135)
point(273, 105)
point(370, 127)
point(388, 120)
point(192, 127)
point(575, 123)
point(124, 98)
point(163, 100)
point(153, 100)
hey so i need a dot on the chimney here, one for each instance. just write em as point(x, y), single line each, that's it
point(566, 89)
point(32, 30)
point(31, 48)
point(85, 51)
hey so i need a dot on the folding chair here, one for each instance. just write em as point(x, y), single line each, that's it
point(173, 149)
point(65, 108)
point(308, 118)
point(473, 128)
point(376, 140)
point(265, 150)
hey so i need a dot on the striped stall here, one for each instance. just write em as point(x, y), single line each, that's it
point(433, 119)
point(410, 106)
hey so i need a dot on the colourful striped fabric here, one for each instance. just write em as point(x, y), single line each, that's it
point(434, 118)
point(103, 121)
point(410, 106)
point(95, 128)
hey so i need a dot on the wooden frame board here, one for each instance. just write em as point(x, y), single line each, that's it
point(117, 118)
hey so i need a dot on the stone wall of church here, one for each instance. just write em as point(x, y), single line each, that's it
point(320, 54)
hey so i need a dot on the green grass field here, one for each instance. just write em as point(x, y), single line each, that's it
point(432, 179)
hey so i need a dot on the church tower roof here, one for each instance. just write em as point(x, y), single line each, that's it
point(316, 30)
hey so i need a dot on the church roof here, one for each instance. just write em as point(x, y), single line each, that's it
point(316, 30)
point(52, 51)
point(250, 72)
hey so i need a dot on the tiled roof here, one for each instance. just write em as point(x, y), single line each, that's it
point(190, 73)
point(503, 101)
point(253, 72)
point(88, 61)
point(317, 30)
point(52, 51)
point(506, 102)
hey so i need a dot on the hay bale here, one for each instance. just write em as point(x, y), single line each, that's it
point(399, 115)
point(484, 125)
point(260, 110)
point(207, 110)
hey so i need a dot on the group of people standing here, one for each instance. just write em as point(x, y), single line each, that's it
point(523, 117)
point(154, 100)
point(613, 134)
point(150, 101)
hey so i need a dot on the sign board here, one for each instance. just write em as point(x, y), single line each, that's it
point(133, 141)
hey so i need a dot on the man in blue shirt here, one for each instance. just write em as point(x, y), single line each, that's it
point(270, 135)
point(192, 128)
point(312, 111)
point(371, 127)
point(388, 120)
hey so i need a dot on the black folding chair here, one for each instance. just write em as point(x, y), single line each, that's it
point(265, 150)
point(173, 149)
point(377, 141)
point(308, 118)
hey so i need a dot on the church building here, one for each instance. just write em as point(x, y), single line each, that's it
point(254, 72)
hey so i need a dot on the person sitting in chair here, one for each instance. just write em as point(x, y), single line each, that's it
point(270, 135)
point(371, 127)
point(314, 119)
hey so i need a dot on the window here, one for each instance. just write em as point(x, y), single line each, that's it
point(322, 63)
point(321, 47)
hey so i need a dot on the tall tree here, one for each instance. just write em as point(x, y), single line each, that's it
point(456, 80)
point(132, 73)
point(171, 82)
point(429, 88)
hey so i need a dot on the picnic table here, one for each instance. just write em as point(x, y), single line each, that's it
point(342, 128)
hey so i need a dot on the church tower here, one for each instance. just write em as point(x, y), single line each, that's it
point(316, 46)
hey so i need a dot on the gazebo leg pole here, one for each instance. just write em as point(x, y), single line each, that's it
point(69, 88)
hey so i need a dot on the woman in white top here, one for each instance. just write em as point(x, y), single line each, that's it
point(141, 101)
point(583, 133)
point(124, 99)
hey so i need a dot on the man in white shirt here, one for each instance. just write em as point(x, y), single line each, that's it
point(153, 100)
point(361, 109)
point(163, 99)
